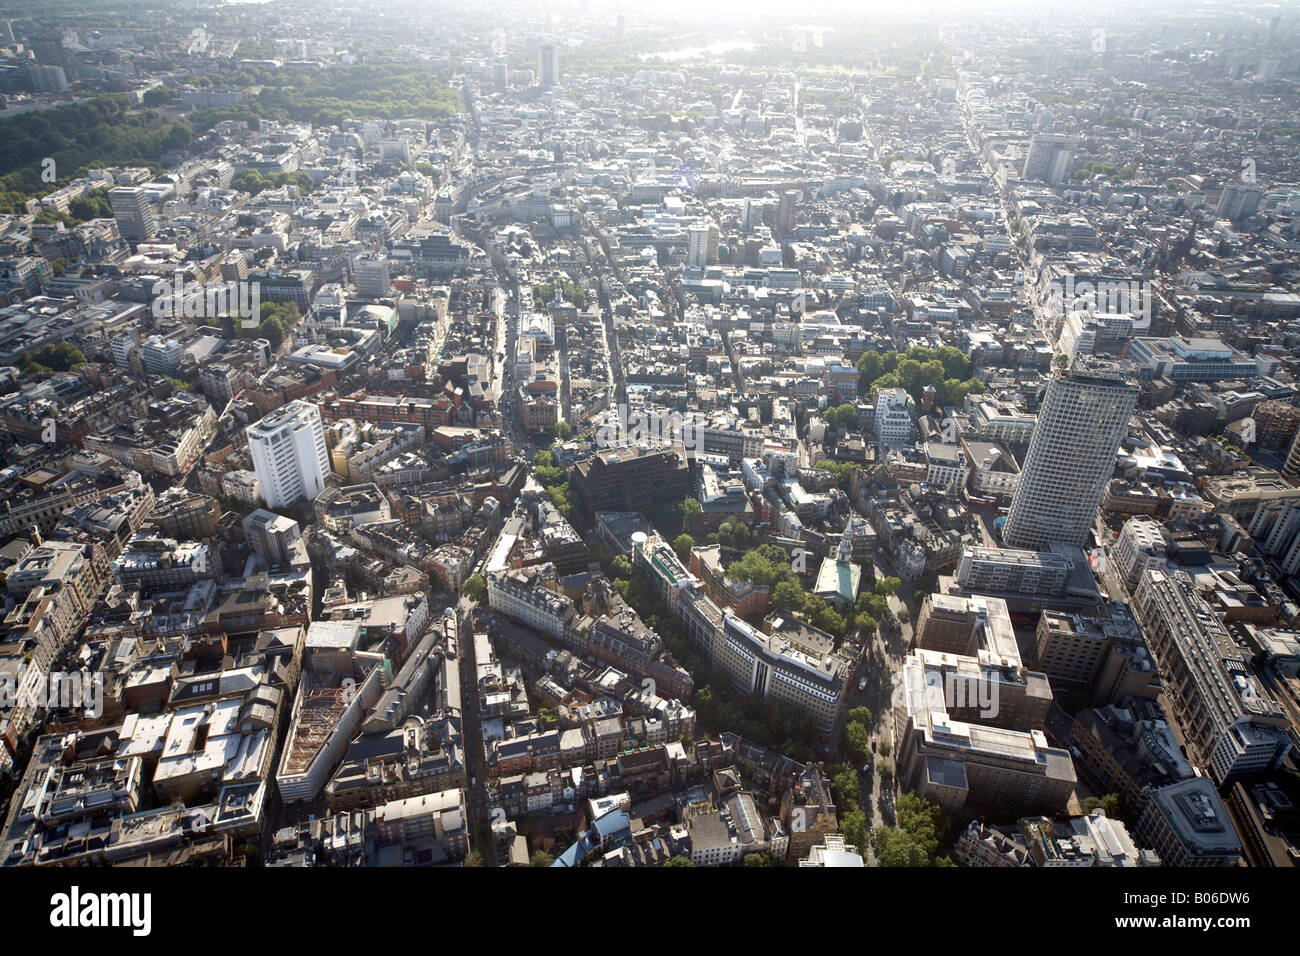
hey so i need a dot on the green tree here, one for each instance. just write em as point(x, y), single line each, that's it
point(844, 786)
point(1111, 803)
point(894, 847)
point(541, 858)
point(563, 430)
point(824, 616)
point(765, 565)
point(842, 470)
point(870, 367)
point(887, 586)
point(682, 544)
point(758, 859)
point(668, 519)
point(922, 826)
point(475, 588)
point(55, 357)
point(157, 96)
point(679, 861)
point(548, 475)
point(691, 515)
point(179, 136)
point(871, 603)
point(93, 205)
point(788, 596)
point(857, 739)
point(853, 827)
point(559, 495)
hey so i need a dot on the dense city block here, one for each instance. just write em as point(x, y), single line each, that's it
point(588, 435)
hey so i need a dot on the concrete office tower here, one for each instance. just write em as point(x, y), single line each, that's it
point(1049, 157)
point(785, 209)
point(370, 275)
point(548, 64)
point(1239, 202)
point(136, 219)
point(289, 454)
point(702, 243)
point(1291, 469)
point(47, 78)
point(1072, 454)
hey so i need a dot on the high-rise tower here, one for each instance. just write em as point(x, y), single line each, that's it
point(289, 454)
point(1084, 417)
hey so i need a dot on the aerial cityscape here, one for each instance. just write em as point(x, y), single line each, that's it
point(582, 434)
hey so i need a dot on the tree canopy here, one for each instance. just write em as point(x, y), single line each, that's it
point(99, 132)
point(474, 588)
point(922, 826)
point(945, 368)
point(55, 357)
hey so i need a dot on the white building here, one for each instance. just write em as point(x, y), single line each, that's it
point(1072, 455)
point(242, 486)
point(1049, 157)
point(289, 454)
point(833, 852)
point(1140, 545)
point(946, 466)
point(702, 243)
point(370, 274)
point(894, 427)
